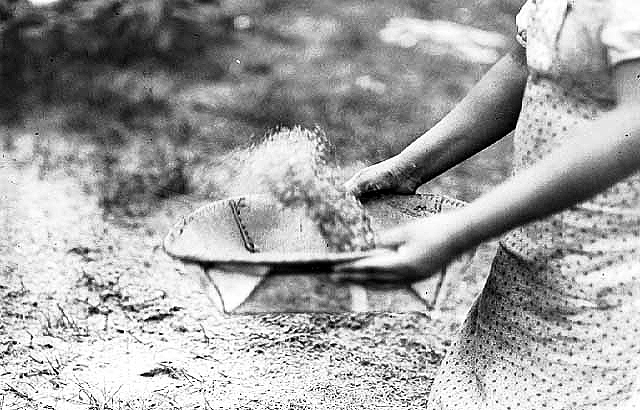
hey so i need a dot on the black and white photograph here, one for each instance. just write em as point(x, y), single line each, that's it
point(319, 204)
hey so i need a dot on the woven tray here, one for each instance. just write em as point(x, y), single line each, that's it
point(252, 256)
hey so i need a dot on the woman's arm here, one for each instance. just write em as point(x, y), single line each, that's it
point(487, 113)
point(601, 153)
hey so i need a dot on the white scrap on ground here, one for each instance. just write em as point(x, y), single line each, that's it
point(366, 82)
point(440, 37)
point(42, 3)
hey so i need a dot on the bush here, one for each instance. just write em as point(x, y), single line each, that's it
point(132, 183)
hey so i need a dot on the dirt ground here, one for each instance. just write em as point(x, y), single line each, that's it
point(94, 315)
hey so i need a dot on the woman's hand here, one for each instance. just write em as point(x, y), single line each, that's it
point(422, 248)
point(392, 175)
point(603, 152)
point(488, 113)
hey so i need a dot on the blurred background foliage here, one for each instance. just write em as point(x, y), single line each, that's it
point(152, 94)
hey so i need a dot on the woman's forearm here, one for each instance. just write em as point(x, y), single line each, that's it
point(488, 113)
point(604, 152)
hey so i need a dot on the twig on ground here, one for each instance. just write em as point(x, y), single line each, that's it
point(137, 339)
point(55, 367)
point(172, 400)
point(204, 333)
point(207, 405)
point(18, 393)
point(70, 322)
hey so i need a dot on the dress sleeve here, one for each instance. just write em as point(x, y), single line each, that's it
point(522, 22)
point(621, 32)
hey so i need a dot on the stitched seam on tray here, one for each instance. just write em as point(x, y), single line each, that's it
point(246, 239)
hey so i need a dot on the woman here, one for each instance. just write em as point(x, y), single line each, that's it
point(555, 326)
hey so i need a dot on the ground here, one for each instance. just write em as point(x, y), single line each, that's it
point(94, 315)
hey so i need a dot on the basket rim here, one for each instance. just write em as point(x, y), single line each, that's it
point(279, 258)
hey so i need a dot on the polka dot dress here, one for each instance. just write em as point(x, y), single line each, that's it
point(557, 325)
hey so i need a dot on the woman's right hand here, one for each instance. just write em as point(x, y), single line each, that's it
point(392, 175)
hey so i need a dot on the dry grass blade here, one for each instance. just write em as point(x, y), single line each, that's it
point(98, 399)
point(19, 393)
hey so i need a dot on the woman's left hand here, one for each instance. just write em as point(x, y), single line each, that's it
point(422, 248)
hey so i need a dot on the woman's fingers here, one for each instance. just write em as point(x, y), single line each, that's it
point(387, 261)
point(387, 270)
point(360, 185)
point(371, 179)
point(415, 256)
point(382, 263)
point(381, 280)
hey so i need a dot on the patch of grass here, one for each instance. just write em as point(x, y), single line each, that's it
point(60, 322)
point(133, 183)
point(99, 398)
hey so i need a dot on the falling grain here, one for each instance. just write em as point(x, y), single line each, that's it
point(293, 165)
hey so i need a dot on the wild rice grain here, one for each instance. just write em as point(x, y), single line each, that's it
point(293, 166)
